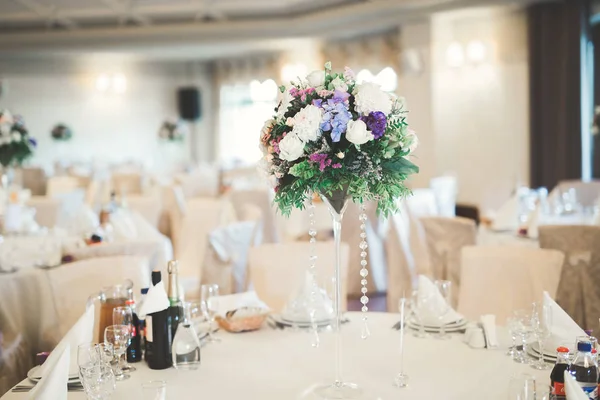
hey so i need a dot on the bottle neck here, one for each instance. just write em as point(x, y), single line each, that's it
point(173, 291)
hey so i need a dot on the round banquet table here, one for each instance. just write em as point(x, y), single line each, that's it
point(274, 364)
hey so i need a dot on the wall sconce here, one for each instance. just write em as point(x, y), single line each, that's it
point(116, 83)
point(476, 52)
point(455, 55)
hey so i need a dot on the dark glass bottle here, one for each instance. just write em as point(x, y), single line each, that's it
point(175, 304)
point(557, 376)
point(585, 370)
point(134, 351)
point(158, 335)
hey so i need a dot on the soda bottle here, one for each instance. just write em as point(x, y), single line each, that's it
point(585, 370)
point(557, 376)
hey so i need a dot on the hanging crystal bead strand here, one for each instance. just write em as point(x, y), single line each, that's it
point(312, 232)
point(364, 299)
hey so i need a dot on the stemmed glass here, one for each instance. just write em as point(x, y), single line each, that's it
point(401, 379)
point(118, 336)
point(124, 316)
point(210, 306)
point(512, 325)
point(541, 326)
point(417, 305)
point(154, 390)
point(98, 381)
point(522, 329)
point(442, 306)
point(521, 387)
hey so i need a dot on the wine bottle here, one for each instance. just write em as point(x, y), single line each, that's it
point(158, 335)
point(175, 304)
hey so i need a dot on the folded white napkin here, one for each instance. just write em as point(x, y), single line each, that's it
point(564, 329)
point(572, 388)
point(507, 215)
point(489, 327)
point(53, 385)
point(156, 300)
point(430, 299)
point(534, 223)
point(82, 332)
point(233, 301)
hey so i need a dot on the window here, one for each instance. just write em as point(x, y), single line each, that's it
point(244, 108)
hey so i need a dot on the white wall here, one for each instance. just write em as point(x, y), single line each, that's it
point(480, 112)
point(107, 126)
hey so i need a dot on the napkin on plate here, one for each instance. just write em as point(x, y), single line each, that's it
point(430, 299)
point(507, 216)
point(572, 388)
point(156, 300)
point(564, 329)
point(488, 322)
point(82, 332)
point(53, 385)
point(233, 301)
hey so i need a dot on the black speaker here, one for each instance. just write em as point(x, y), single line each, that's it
point(188, 102)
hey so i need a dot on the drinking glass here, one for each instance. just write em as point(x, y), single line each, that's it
point(521, 387)
point(94, 354)
point(210, 306)
point(442, 306)
point(541, 326)
point(154, 390)
point(124, 316)
point(417, 304)
point(118, 336)
point(98, 381)
point(512, 325)
point(522, 330)
point(186, 345)
point(401, 379)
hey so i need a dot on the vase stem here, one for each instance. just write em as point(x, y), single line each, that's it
point(337, 233)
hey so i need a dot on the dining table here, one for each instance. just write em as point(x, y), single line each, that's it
point(276, 364)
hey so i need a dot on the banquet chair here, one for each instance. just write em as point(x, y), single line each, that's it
point(127, 183)
point(15, 360)
point(444, 190)
point(445, 238)
point(73, 283)
point(58, 185)
point(422, 203)
point(277, 271)
point(201, 182)
point(501, 279)
point(47, 210)
point(150, 207)
point(587, 192)
point(578, 292)
point(263, 200)
point(34, 179)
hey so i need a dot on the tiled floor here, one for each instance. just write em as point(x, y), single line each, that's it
point(377, 302)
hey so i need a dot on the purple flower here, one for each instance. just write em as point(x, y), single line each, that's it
point(317, 103)
point(32, 142)
point(340, 96)
point(336, 117)
point(322, 159)
point(376, 122)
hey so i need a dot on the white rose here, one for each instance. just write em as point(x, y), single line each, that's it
point(316, 79)
point(339, 84)
point(357, 133)
point(411, 141)
point(16, 137)
point(284, 103)
point(307, 123)
point(369, 97)
point(5, 129)
point(291, 147)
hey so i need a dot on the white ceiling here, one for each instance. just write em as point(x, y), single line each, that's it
point(198, 29)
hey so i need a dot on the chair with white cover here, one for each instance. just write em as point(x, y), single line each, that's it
point(203, 181)
point(277, 271)
point(58, 185)
point(127, 183)
point(445, 189)
point(47, 210)
point(445, 239)
point(73, 283)
point(578, 292)
point(149, 207)
point(587, 192)
point(263, 200)
point(500, 279)
point(34, 179)
point(422, 203)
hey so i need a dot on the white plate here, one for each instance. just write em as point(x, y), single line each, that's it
point(536, 350)
point(33, 375)
point(461, 323)
point(302, 324)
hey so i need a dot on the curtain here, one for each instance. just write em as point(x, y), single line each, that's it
point(555, 34)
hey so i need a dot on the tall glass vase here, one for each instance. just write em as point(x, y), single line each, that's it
point(339, 389)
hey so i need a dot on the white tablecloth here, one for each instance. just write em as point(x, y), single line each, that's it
point(276, 365)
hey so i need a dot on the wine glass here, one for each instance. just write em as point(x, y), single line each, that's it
point(210, 306)
point(98, 381)
point(511, 324)
point(118, 336)
point(541, 326)
point(442, 306)
point(522, 329)
point(154, 390)
point(521, 387)
point(87, 355)
point(124, 316)
point(417, 303)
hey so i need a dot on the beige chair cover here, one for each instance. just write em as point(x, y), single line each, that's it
point(422, 203)
point(578, 291)
point(277, 271)
point(47, 210)
point(445, 239)
point(149, 207)
point(263, 200)
point(127, 183)
point(501, 279)
point(587, 192)
point(34, 179)
point(61, 184)
point(201, 182)
point(15, 360)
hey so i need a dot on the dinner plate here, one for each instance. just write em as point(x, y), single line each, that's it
point(34, 376)
point(461, 323)
point(535, 348)
point(302, 324)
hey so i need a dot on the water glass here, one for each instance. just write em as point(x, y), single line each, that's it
point(186, 345)
point(118, 336)
point(512, 325)
point(521, 387)
point(210, 306)
point(541, 325)
point(154, 390)
point(124, 316)
point(442, 308)
point(522, 329)
point(417, 305)
point(98, 381)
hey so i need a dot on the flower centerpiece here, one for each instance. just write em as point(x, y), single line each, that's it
point(172, 131)
point(61, 132)
point(343, 140)
point(15, 143)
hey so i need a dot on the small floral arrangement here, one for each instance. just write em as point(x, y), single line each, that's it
point(61, 132)
point(15, 143)
point(331, 134)
point(172, 131)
